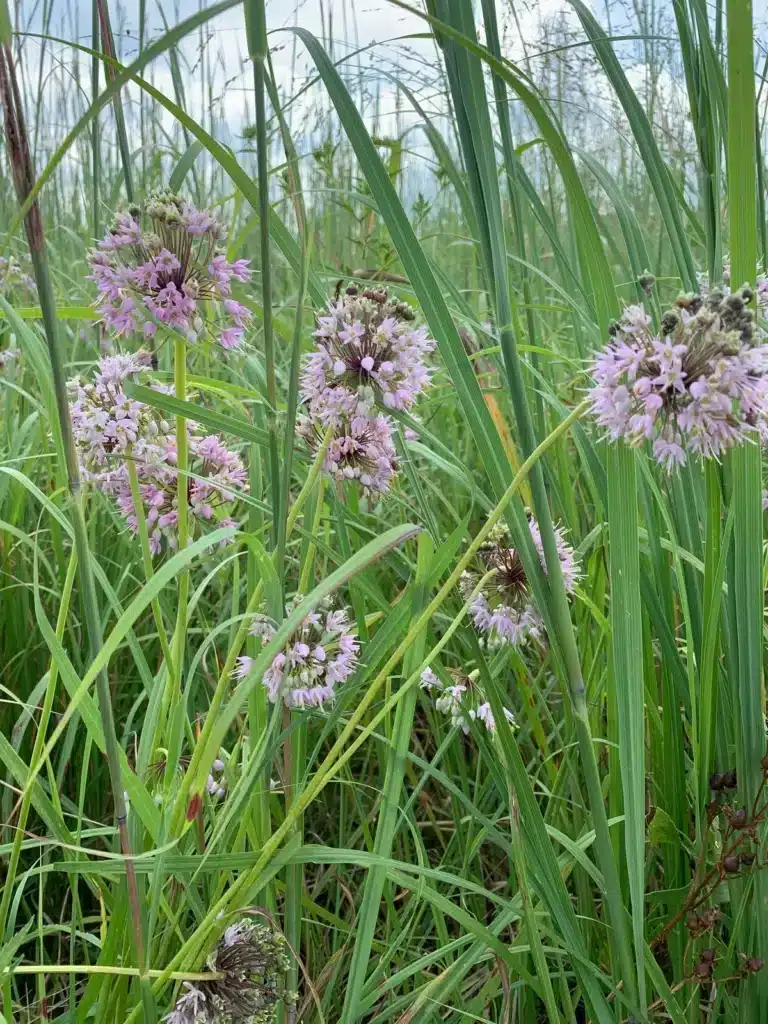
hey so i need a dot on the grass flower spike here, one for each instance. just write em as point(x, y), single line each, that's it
point(164, 264)
point(698, 387)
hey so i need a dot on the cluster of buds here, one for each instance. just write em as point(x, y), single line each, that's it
point(318, 656)
point(697, 387)
point(705, 966)
point(111, 430)
point(165, 265)
point(463, 700)
point(368, 356)
point(739, 853)
point(252, 962)
point(504, 610)
point(702, 922)
point(8, 355)
point(216, 783)
point(15, 281)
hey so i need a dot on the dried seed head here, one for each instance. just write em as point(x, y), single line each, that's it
point(254, 961)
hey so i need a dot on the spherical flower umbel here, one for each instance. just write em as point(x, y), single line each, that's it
point(367, 349)
point(360, 449)
point(368, 355)
point(319, 655)
point(253, 959)
point(111, 430)
point(216, 783)
point(463, 700)
point(106, 423)
point(215, 474)
point(504, 609)
point(164, 264)
point(698, 386)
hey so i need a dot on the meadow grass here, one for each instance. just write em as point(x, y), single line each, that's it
point(567, 827)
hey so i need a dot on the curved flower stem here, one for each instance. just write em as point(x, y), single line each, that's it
point(294, 759)
point(180, 807)
point(146, 556)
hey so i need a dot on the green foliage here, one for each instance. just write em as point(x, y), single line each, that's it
point(559, 868)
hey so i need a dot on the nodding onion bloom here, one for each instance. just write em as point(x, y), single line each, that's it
point(109, 429)
point(164, 264)
point(253, 959)
point(369, 356)
point(504, 610)
point(319, 655)
point(463, 701)
point(361, 449)
point(697, 387)
point(367, 348)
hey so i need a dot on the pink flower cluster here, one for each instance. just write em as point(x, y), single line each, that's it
point(109, 429)
point(171, 272)
point(368, 353)
point(698, 386)
point(321, 654)
point(504, 609)
point(463, 701)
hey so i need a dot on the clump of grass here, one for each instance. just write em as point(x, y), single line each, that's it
point(350, 671)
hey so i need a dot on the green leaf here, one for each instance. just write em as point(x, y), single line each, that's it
point(662, 829)
point(184, 166)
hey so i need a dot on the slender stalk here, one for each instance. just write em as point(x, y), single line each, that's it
point(294, 758)
point(42, 728)
point(258, 50)
point(95, 128)
point(108, 46)
point(125, 972)
point(237, 645)
point(182, 498)
point(23, 176)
